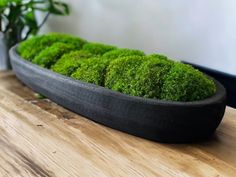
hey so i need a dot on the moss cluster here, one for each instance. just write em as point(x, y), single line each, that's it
point(138, 76)
point(118, 53)
point(92, 70)
point(32, 47)
point(158, 56)
point(47, 57)
point(184, 83)
point(69, 62)
point(152, 70)
point(121, 73)
point(124, 70)
point(97, 48)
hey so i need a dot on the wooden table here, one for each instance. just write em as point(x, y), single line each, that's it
point(40, 138)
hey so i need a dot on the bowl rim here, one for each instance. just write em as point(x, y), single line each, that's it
point(219, 94)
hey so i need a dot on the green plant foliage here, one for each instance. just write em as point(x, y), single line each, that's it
point(124, 70)
point(32, 47)
point(68, 39)
point(18, 19)
point(184, 83)
point(92, 70)
point(158, 56)
point(138, 76)
point(49, 56)
point(69, 62)
point(3, 3)
point(149, 77)
point(121, 73)
point(97, 48)
point(118, 53)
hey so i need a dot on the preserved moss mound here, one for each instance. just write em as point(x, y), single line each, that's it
point(92, 70)
point(50, 55)
point(121, 73)
point(32, 47)
point(69, 62)
point(122, 53)
point(124, 70)
point(184, 83)
point(154, 69)
point(97, 48)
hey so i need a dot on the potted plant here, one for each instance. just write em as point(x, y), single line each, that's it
point(149, 96)
point(18, 21)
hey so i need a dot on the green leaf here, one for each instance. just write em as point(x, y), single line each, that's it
point(3, 3)
point(30, 19)
point(59, 8)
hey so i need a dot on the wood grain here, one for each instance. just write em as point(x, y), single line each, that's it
point(40, 138)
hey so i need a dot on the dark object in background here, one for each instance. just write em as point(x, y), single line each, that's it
point(228, 80)
point(158, 120)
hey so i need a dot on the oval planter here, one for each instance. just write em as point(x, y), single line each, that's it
point(158, 120)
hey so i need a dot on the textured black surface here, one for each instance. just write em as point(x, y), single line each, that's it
point(158, 120)
point(228, 80)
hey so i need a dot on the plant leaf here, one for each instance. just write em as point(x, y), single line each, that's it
point(59, 8)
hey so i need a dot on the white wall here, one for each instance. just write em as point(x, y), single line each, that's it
point(202, 32)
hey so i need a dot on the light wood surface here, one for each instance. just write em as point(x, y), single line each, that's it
point(40, 138)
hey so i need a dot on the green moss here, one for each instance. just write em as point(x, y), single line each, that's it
point(121, 73)
point(69, 62)
point(97, 48)
point(158, 56)
point(92, 70)
point(150, 77)
point(184, 83)
point(118, 53)
point(50, 55)
point(30, 48)
point(124, 70)
point(138, 76)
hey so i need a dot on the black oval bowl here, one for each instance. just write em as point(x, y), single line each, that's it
point(158, 120)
